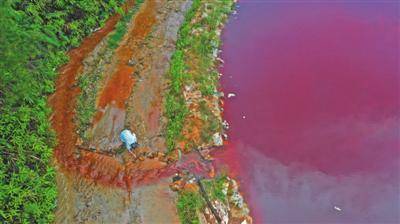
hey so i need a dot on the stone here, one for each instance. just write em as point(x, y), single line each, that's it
point(237, 199)
point(132, 62)
point(215, 53)
point(217, 138)
point(225, 125)
point(222, 211)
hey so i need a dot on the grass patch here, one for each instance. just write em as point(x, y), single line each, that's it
point(90, 85)
point(211, 122)
point(215, 188)
point(122, 26)
point(193, 63)
point(190, 203)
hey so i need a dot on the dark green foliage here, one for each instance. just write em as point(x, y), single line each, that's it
point(64, 23)
point(34, 36)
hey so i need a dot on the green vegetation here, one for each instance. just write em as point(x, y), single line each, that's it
point(90, 85)
point(189, 202)
point(194, 64)
point(211, 122)
point(90, 82)
point(122, 25)
point(34, 37)
point(215, 188)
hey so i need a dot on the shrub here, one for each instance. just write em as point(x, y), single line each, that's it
point(34, 36)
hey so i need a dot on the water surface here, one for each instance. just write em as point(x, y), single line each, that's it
point(315, 124)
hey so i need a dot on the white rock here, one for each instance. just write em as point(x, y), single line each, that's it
point(237, 199)
point(217, 138)
point(215, 53)
point(225, 125)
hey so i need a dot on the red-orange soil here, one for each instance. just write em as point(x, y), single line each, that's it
point(119, 87)
point(98, 167)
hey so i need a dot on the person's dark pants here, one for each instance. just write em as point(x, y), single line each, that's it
point(134, 145)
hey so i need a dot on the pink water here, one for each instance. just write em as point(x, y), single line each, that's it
point(318, 84)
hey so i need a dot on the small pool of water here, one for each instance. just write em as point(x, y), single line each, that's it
point(315, 124)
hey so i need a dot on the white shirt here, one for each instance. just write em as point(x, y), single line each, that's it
point(128, 138)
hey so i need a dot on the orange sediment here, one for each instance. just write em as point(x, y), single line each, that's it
point(63, 101)
point(101, 168)
point(119, 87)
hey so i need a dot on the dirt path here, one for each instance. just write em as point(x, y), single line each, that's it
point(145, 105)
point(95, 188)
point(133, 94)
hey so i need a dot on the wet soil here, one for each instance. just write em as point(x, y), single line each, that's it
point(85, 162)
point(145, 105)
point(109, 120)
point(87, 180)
point(138, 81)
point(100, 186)
point(64, 99)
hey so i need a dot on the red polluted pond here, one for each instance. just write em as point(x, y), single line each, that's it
point(315, 121)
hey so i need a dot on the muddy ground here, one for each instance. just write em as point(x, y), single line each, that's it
point(96, 182)
point(138, 67)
